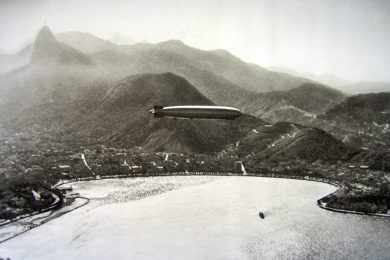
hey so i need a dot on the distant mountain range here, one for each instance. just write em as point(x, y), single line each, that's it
point(79, 87)
point(326, 79)
point(220, 62)
point(367, 87)
point(348, 87)
point(84, 42)
point(47, 49)
point(219, 75)
point(9, 62)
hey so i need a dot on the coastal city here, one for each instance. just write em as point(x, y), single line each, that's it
point(194, 129)
point(361, 188)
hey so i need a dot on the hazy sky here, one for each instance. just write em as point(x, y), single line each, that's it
point(346, 38)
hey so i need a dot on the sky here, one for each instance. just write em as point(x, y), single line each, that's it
point(349, 39)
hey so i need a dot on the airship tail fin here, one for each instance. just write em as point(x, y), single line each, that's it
point(156, 111)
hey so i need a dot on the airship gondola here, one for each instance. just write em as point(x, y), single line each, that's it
point(205, 112)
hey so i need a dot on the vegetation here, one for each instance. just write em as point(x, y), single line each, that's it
point(85, 115)
point(23, 193)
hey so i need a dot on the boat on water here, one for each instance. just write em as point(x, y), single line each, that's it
point(261, 215)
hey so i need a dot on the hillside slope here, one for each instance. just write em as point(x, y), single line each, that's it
point(362, 120)
point(284, 140)
point(84, 42)
point(104, 97)
point(246, 75)
point(10, 62)
point(123, 117)
point(299, 105)
point(47, 49)
point(218, 74)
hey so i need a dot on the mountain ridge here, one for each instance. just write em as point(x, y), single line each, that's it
point(96, 101)
point(47, 49)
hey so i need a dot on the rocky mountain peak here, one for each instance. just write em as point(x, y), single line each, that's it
point(45, 35)
point(47, 49)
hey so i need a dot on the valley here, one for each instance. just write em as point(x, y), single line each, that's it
point(76, 112)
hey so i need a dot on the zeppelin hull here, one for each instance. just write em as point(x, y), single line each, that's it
point(206, 112)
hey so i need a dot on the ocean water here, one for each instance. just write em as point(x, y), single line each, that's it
point(204, 218)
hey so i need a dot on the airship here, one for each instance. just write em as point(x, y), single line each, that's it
point(205, 112)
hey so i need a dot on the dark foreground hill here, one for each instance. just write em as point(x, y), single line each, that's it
point(66, 97)
point(284, 140)
point(301, 105)
point(362, 109)
point(362, 120)
point(117, 114)
point(123, 117)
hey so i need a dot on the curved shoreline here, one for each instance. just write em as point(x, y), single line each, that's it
point(320, 202)
point(44, 221)
point(59, 199)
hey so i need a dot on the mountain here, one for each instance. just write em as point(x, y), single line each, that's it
point(364, 118)
point(84, 42)
point(301, 104)
point(366, 87)
point(76, 107)
point(376, 159)
point(217, 74)
point(104, 96)
point(123, 119)
point(121, 39)
point(9, 62)
point(151, 89)
point(284, 140)
point(362, 108)
point(47, 92)
point(246, 75)
point(56, 77)
point(325, 79)
point(47, 49)
point(207, 70)
point(226, 79)
point(140, 59)
point(112, 65)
